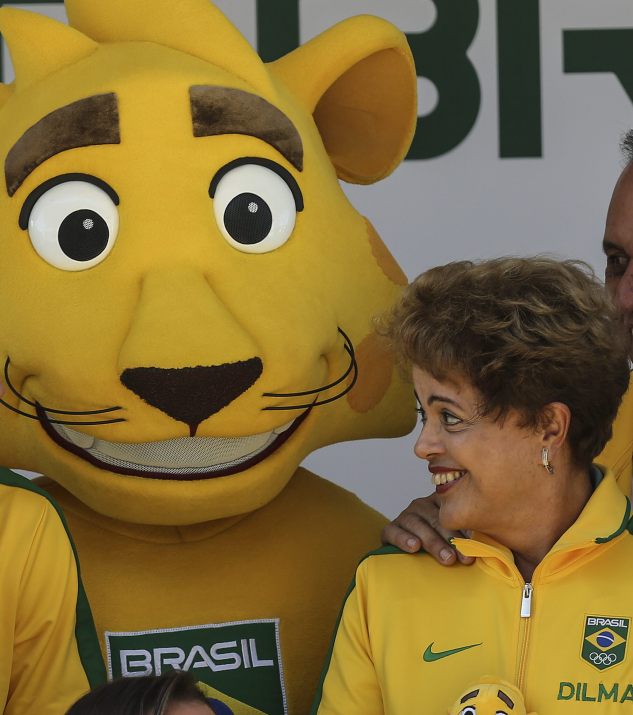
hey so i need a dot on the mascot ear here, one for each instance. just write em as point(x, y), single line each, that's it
point(39, 46)
point(358, 79)
point(195, 27)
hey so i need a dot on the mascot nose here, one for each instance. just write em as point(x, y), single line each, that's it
point(191, 394)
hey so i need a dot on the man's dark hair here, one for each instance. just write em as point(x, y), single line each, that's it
point(147, 695)
point(626, 146)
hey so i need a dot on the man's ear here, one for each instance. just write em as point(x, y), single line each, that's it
point(358, 80)
point(554, 425)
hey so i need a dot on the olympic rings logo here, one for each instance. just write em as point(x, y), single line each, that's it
point(603, 658)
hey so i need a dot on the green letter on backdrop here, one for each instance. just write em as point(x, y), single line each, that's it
point(440, 55)
point(277, 28)
point(519, 60)
point(601, 51)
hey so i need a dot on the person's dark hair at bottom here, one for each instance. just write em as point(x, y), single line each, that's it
point(147, 695)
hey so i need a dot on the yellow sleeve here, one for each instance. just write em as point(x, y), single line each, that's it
point(349, 684)
point(47, 674)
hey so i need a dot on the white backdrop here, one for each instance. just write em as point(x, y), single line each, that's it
point(469, 202)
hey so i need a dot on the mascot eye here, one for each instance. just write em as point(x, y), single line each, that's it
point(255, 203)
point(72, 224)
point(470, 710)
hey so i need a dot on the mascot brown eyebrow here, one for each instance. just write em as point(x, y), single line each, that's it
point(185, 310)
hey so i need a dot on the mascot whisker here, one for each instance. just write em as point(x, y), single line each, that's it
point(43, 409)
point(352, 368)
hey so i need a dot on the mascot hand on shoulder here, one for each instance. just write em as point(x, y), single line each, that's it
point(490, 696)
point(185, 313)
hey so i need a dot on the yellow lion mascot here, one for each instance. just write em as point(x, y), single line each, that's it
point(185, 314)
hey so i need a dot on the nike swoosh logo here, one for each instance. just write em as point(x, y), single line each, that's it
point(429, 656)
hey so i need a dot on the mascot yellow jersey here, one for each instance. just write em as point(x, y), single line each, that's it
point(49, 655)
point(185, 313)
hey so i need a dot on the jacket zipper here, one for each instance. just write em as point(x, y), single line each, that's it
point(526, 615)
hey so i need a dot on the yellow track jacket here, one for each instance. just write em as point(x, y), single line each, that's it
point(49, 653)
point(412, 634)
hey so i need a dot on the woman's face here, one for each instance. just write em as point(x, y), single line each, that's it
point(485, 472)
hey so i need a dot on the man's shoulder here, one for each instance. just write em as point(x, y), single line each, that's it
point(618, 452)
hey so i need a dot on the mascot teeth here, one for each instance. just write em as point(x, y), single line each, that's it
point(182, 455)
point(85, 441)
point(283, 428)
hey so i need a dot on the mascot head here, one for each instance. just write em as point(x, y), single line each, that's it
point(490, 696)
point(187, 294)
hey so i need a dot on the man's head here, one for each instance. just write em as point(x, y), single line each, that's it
point(618, 238)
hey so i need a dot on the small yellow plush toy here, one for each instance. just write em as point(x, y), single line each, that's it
point(490, 696)
point(186, 312)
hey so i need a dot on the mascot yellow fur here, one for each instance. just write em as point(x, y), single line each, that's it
point(185, 314)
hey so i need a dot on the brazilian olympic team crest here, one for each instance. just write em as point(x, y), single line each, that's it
point(237, 665)
point(604, 640)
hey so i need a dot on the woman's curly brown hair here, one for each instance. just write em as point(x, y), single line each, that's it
point(524, 332)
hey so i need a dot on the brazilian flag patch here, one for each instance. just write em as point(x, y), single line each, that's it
point(604, 640)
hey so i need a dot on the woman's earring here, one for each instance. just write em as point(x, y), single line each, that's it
point(545, 460)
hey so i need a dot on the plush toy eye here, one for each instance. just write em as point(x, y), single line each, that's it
point(255, 203)
point(469, 710)
point(72, 224)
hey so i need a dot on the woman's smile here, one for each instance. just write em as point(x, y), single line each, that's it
point(444, 478)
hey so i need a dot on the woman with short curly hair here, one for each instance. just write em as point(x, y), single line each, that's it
point(519, 366)
point(524, 332)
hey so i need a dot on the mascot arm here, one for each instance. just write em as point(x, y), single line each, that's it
point(349, 684)
point(52, 647)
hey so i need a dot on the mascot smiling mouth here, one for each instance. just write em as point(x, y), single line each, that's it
point(182, 458)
